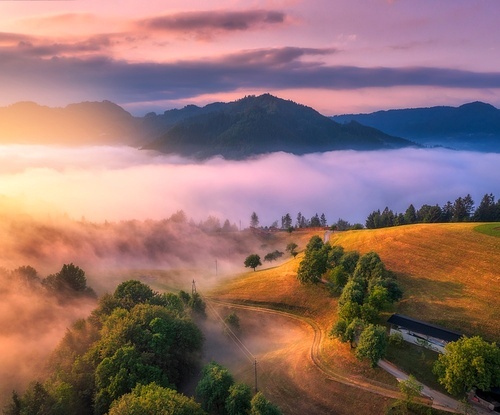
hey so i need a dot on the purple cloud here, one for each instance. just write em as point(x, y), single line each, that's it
point(101, 77)
point(204, 21)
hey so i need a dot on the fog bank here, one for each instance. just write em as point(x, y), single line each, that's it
point(108, 183)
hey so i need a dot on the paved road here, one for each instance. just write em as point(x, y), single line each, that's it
point(440, 401)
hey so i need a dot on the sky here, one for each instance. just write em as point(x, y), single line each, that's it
point(337, 56)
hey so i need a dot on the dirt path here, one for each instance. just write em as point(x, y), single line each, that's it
point(327, 373)
point(288, 369)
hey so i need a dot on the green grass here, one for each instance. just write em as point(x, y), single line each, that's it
point(417, 361)
point(491, 229)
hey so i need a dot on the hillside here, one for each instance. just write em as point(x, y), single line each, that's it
point(473, 126)
point(449, 272)
point(263, 124)
point(449, 275)
point(86, 123)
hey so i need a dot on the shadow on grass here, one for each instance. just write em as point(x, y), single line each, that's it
point(430, 288)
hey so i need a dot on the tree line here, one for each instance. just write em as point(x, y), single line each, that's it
point(68, 283)
point(462, 210)
point(287, 223)
point(365, 286)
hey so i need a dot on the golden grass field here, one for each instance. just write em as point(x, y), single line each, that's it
point(450, 275)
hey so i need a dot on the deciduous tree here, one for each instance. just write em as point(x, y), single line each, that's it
point(469, 362)
point(213, 388)
point(372, 344)
point(252, 261)
point(154, 399)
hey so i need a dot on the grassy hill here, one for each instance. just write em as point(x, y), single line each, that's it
point(449, 274)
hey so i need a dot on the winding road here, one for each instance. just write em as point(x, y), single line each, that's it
point(430, 396)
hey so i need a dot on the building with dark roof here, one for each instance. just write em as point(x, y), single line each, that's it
point(421, 333)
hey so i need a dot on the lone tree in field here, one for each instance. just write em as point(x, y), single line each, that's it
point(252, 261)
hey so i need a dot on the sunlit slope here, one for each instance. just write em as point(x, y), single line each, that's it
point(450, 275)
point(277, 286)
point(449, 272)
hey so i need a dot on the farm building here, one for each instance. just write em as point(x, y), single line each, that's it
point(421, 333)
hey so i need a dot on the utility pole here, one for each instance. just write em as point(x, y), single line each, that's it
point(193, 288)
point(255, 372)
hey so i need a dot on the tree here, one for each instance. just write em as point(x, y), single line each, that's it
point(133, 292)
point(486, 212)
point(338, 277)
point(273, 256)
point(410, 215)
point(26, 274)
point(117, 375)
point(69, 279)
point(430, 214)
point(213, 388)
point(254, 220)
point(154, 399)
point(36, 400)
point(252, 261)
point(286, 222)
point(411, 389)
point(239, 400)
point(469, 362)
point(370, 266)
point(314, 264)
point(349, 261)
point(261, 406)
point(315, 221)
point(322, 220)
point(291, 247)
point(372, 344)
point(233, 321)
point(197, 304)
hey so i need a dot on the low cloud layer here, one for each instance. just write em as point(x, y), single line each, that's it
point(106, 183)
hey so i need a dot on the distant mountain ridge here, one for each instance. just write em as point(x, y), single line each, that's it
point(86, 123)
point(473, 126)
point(261, 124)
point(240, 129)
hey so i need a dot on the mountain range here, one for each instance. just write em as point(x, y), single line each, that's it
point(251, 126)
point(474, 126)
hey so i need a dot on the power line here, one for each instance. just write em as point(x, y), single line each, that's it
point(232, 335)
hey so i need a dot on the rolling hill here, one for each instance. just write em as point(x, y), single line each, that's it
point(473, 126)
